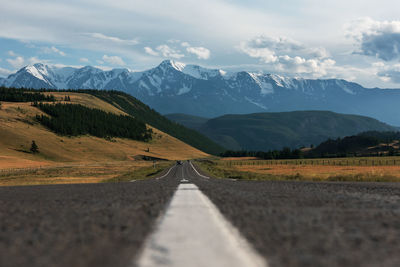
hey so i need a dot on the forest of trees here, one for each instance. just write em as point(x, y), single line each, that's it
point(353, 145)
point(285, 153)
point(18, 95)
point(348, 146)
point(137, 109)
point(134, 107)
point(74, 120)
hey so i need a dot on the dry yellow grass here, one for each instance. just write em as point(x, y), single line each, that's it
point(68, 173)
point(237, 158)
point(322, 172)
point(18, 128)
point(358, 169)
point(87, 100)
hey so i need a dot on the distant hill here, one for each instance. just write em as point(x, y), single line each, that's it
point(190, 121)
point(19, 126)
point(363, 144)
point(266, 131)
point(137, 109)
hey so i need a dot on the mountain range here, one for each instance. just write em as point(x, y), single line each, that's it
point(276, 130)
point(174, 87)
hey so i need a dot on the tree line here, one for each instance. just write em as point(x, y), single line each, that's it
point(348, 146)
point(18, 95)
point(74, 120)
point(355, 144)
point(136, 108)
point(285, 153)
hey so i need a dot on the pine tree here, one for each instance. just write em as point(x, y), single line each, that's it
point(34, 148)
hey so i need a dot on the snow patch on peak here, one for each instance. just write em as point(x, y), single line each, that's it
point(185, 89)
point(37, 71)
point(178, 65)
point(201, 73)
point(265, 86)
point(279, 80)
point(192, 70)
point(222, 72)
point(90, 69)
point(341, 84)
point(255, 103)
point(174, 64)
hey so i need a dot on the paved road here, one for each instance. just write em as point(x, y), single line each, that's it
point(289, 223)
point(79, 225)
point(312, 224)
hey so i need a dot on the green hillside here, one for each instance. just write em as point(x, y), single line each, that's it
point(190, 121)
point(134, 107)
point(364, 144)
point(265, 131)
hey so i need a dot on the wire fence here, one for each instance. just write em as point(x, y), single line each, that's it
point(384, 161)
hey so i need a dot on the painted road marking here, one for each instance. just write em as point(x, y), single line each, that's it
point(158, 177)
point(166, 173)
point(198, 172)
point(193, 233)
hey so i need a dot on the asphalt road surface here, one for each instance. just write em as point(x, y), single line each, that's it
point(288, 223)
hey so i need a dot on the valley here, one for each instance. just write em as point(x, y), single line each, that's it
point(274, 131)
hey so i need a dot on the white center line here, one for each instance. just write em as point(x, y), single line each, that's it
point(193, 233)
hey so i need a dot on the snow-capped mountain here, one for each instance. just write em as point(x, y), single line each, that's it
point(174, 87)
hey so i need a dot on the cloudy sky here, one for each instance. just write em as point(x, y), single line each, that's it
point(357, 40)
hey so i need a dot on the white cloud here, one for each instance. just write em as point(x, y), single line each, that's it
point(17, 62)
point(116, 26)
point(185, 44)
point(84, 60)
point(104, 68)
point(5, 72)
point(173, 41)
point(200, 52)
point(11, 53)
point(53, 49)
point(169, 52)
point(317, 52)
point(288, 56)
point(380, 39)
point(150, 51)
point(315, 67)
point(268, 48)
point(114, 60)
point(113, 39)
point(388, 73)
point(265, 54)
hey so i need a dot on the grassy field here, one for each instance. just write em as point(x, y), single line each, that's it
point(380, 169)
point(82, 159)
point(82, 173)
